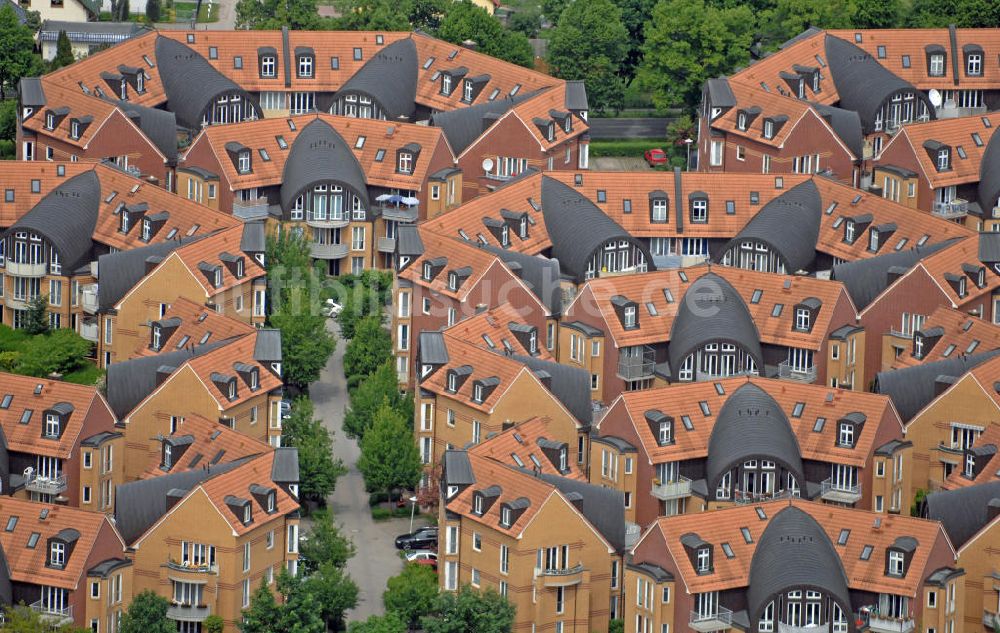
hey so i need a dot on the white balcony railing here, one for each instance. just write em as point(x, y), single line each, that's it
point(806, 628)
point(328, 251)
point(45, 485)
point(89, 331)
point(888, 624)
point(250, 209)
point(957, 208)
point(88, 298)
point(51, 612)
point(671, 489)
point(790, 372)
point(24, 269)
point(386, 244)
point(717, 620)
point(840, 492)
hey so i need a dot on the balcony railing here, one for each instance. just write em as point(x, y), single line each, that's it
point(721, 618)
point(89, 330)
point(54, 613)
point(88, 298)
point(497, 177)
point(671, 489)
point(400, 213)
point(189, 612)
point(839, 492)
point(24, 269)
point(632, 533)
point(45, 485)
point(953, 111)
point(888, 624)
point(636, 367)
point(192, 568)
point(250, 209)
point(386, 244)
point(560, 577)
point(741, 497)
point(957, 208)
point(899, 333)
point(990, 620)
point(789, 372)
point(328, 222)
point(328, 251)
point(807, 628)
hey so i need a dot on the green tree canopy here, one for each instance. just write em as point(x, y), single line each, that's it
point(264, 614)
point(470, 611)
point(465, 21)
point(389, 456)
point(411, 594)
point(372, 391)
point(300, 612)
point(325, 545)
point(273, 14)
point(388, 623)
point(369, 349)
point(371, 15)
point(318, 471)
point(147, 613)
point(333, 592)
point(590, 43)
point(64, 52)
point(36, 317)
point(23, 619)
point(689, 41)
point(961, 13)
point(878, 14)
point(787, 18)
point(635, 14)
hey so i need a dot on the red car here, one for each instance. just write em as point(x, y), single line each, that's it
point(655, 157)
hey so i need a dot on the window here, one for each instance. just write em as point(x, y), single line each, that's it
point(715, 153)
point(849, 232)
point(768, 129)
point(246, 557)
point(305, 66)
point(932, 599)
point(936, 65)
point(845, 436)
point(244, 162)
point(704, 558)
point(57, 555)
point(802, 319)
point(446, 84)
point(659, 212)
point(405, 162)
point(629, 313)
point(942, 159)
point(699, 210)
point(51, 425)
point(895, 563)
point(974, 64)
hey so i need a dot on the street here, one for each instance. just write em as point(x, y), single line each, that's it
point(376, 558)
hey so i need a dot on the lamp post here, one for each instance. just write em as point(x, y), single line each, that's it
point(688, 142)
point(413, 510)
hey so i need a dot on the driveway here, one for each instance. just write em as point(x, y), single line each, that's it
point(618, 163)
point(225, 9)
point(376, 559)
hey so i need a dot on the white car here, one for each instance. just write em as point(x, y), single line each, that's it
point(420, 554)
point(332, 308)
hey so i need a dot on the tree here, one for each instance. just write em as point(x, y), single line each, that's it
point(333, 591)
point(318, 471)
point(273, 14)
point(878, 14)
point(153, 10)
point(371, 15)
point(378, 387)
point(411, 594)
point(787, 18)
point(470, 611)
point(526, 21)
point(264, 614)
point(616, 626)
point(60, 351)
point(635, 14)
point(8, 119)
point(689, 41)
point(22, 619)
point(427, 14)
point(961, 13)
point(147, 614)
point(214, 624)
point(64, 52)
point(300, 611)
point(388, 623)
point(552, 9)
point(325, 545)
point(590, 43)
point(17, 46)
point(369, 349)
point(389, 456)
point(36, 317)
point(465, 21)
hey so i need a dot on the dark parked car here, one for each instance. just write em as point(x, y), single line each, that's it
point(424, 538)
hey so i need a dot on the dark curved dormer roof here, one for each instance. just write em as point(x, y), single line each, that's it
point(462, 126)
point(320, 154)
point(390, 77)
point(190, 82)
point(751, 425)
point(66, 217)
point(794, 552)
point(963, 511)
point(862, 83)
point(577, 227)
point(989, 174)
point(712, 311)
point(913, 388)
point(789, 225)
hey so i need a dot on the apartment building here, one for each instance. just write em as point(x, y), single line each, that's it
point(705, 323)
point(794, 565)
point(196, 442)
point(940, 167)
point(62, 443)
point(59, 219)
point(945, 332)
point(760, 132)
point(946, 405)
point(72, 11)
point(441, 281)
point(552, 546)
point(969, 516)
point(67, 564)
point(133, 290)
point(205, 538)
point(235, 381)
point(468, 393)
point(347, 182)
point(895, 292)
point(700, 446)
point(85, 38)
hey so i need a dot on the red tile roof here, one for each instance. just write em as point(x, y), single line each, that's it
point(223, 360)
point(459, 254)
point(956, 133)
point(237, 482)
point(196, 322)
point(489, 330)
point(209, 251)
point(211, 443)
point(960, 332)
point(517, 447)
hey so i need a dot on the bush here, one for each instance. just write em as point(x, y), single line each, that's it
point(631, 148)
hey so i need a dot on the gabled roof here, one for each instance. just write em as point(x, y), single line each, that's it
point(191, 322)
point(548, 105)
point(522, 441)
point(90, 532)
point(989, 174)
point(913, 388)
point(87, 108)
point(954, 333)
point(540, 274)
point(571, 385)
point(602, 507)
point(866, 279)
point(208, 443)
point(223, 359)
point(120, 272)
point(985, 448)
point(258, 470)
point(209, 250)
point(480, 364)
point(320, 153)
point(463, 126)
point(459, 254)
point(963, 511)
point(27, 435)
point(160, 126)
point(493, 324)
point(954, 133)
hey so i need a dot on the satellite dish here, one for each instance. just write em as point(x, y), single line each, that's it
point(487, 164)
point(935, 97)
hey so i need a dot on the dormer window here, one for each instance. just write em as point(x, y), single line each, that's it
point(802, 89)
point(918, 346)
point(505, 518)
point(533, 342)
point(981, 278)
point(305, 66)
point(504, 235)
point(52, 424)
point(167, 456)
point(873, 239)
point(267, 66)
point(522, 227)
point(849, 235)
point(658, 211)
point(943, 159)
point(704, 560)
point(247, 513)
point(568, 124)
point(243, 164)
point(897, 563)
point(935, 65)
point(629, 318)
point(157, 337)
point(428, 272)
point(974, 64)
point(845, 434)
point(768, 129)
point(240, 268)
point(452, 382)
point(270, 502)
point(147, 229)
point(123, 89)
point(815, 79)
point(445, 84)
point(254, 379)
point(140, 81)
point(666, 432)
point(550, 133)
point(405, 162)
point(74, 129)
point(477, 504)
point(217, 280)
point(478, 393)
point(741, 120)
point(961, 287)
point(802, 319)
point(468, 89)
point(970, 465)
point(699, 210)
point(50, 121)
point(57, 554)
point(232, 390)
point(125, 223)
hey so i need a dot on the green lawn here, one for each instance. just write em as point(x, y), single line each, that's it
point(88, 375)
point(184, 11)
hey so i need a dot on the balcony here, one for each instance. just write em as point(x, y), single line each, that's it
point(191, 568)
point(632, 533)
point(741, 498)
point(560, 577)
point(54, 615)
point(250, 209)
point(839, 492)
point(720, 620)
point(886, 624)
point(636, 366)
point(671, 489)
point(328, 223)
point(949, 110)
point(328, 251)
point(990, 620)
point(803, 374)
point(189, 612)
point(45, 485)
point(386, 244)
point(22, 269)
point(957, 208)
point(88, 298)
point(808, 628)
point(496, 177)
point(399, 214)
point(89, 330)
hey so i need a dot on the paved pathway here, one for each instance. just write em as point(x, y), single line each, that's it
point(376, 559)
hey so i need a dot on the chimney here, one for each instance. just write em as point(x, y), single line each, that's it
point(173, 496)
point(470, 44)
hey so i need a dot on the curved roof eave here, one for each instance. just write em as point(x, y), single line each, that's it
point(320, 154)
point(390, 77)
point(789, 225)
point(190, 82)
point(989, 174)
